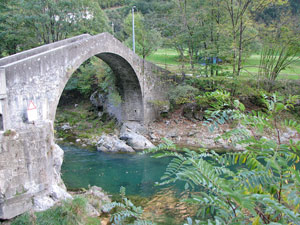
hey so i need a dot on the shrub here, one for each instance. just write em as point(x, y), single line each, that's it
point(262, 189)
point(69, 212)
point(182, 94)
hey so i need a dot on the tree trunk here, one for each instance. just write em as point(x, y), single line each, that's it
point(240, 47)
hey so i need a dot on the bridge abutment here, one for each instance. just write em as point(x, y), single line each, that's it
point(29, 168)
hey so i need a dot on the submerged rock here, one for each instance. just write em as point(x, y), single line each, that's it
point(135, 140)
point(111, 143)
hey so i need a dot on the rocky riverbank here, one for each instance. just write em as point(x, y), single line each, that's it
point(84, 125)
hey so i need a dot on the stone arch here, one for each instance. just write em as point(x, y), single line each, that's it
point(40, 75)
point(128, 85)
point(127, 82)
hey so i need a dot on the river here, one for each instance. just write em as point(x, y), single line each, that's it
point(137, 173)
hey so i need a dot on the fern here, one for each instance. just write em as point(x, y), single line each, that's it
point(263, 187)
point(125, 211)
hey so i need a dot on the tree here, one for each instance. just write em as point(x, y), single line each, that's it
point(241, 18)
point(28, 23)
point(14, 35)
point(147, 38)
point(281, 48)
point(53, 20)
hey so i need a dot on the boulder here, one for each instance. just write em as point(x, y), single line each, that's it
point(173, 133)
point(135, 140)
point(96, 199)
point(111, 143)
point(91, 211)
point(66, 126)
point(42, 203)
point(136, 127)
point(98, 100)
point(58, 193)
point(192, 111)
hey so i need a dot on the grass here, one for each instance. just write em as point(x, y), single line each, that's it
point(69, 212)
point(84, 120)
point(168, 59)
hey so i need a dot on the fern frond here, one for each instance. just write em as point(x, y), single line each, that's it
point(292, 124)
point(276, 207)
point(118, 217)
point(252, 179)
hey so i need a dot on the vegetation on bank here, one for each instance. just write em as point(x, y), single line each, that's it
point(68, 212)
point(82, 122)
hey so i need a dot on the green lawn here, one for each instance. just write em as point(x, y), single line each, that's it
point(168, 59)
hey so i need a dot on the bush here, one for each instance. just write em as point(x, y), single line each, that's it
point(216, 100)
point(70, 212)
point(182, 94)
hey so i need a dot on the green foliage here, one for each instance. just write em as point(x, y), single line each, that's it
point(216, 100)
point(264, 186)
point(24, 219)
point(94, 75)
point(147, 40)
point(70, 212)
point(182, 94)
point(108, 86)
point(220, 107)
point(30, 23)
point(125, 212)
point(275, 58)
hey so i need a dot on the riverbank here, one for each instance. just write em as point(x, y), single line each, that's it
point(80, 124)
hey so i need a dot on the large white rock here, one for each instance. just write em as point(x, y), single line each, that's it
point(59, 193)
point(111, 143)
point(42, 203)
point(135, 140)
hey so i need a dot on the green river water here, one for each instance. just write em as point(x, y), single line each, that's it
point(137, 173)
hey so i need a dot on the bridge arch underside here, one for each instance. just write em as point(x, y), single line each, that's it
point(127, 83)
point(128, 86)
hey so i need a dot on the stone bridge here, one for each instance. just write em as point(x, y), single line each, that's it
point(30, 160)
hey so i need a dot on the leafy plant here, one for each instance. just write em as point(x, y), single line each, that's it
point(182, 94)
point(125, 212)
point(275, 58)
point(263, 188)
point(70, 212)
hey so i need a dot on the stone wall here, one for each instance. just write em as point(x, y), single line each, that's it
point(29, 168)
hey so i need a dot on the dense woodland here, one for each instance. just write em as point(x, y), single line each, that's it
point(197, 29)
point(212, 41)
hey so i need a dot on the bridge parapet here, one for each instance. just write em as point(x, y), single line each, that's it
point(41, 49)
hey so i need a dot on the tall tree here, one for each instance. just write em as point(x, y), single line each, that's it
point(28, 23)
point(53, 20)
point(239, 13)
point(147, 39)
